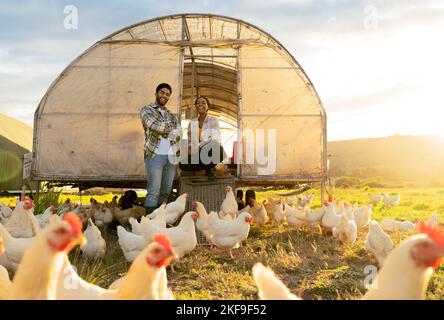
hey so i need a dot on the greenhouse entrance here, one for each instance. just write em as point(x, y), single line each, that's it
point(212, 73)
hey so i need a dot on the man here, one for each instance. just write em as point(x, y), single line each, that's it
point(158, 123)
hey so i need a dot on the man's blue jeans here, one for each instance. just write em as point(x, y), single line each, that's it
point(160, 173)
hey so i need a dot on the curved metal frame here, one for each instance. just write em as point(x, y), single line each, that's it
point(279, 46)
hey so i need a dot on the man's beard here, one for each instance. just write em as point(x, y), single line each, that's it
point(159, 103)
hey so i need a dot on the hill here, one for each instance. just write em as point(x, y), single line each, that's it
point(15, 141)
point(401, 159)
point(16, 131)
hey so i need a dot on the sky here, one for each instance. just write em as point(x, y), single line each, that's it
point(377, 65)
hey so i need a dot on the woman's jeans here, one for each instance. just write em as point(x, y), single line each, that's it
point(160, 174)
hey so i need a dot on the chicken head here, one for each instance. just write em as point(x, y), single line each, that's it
point(160, 252)
point(429, 253)
point(29, 204)
point(66, 234)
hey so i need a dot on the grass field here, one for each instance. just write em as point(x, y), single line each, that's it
point(310, 264)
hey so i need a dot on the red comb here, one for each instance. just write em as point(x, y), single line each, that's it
point(163, 240)
point(74, 221)
point(28, 199)
point(330, 198)
point(437, 234)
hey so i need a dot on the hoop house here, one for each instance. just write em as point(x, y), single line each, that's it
point(87, 125)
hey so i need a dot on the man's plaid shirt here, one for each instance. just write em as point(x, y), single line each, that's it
point(155, 126)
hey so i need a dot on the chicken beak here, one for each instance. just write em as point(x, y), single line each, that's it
point(81, 240)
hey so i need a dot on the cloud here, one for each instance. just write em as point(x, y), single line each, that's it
point(354, 69)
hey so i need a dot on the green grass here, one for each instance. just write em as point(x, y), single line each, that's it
point(310, 264)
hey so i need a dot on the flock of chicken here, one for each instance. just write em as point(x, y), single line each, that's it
point(224, 229)
point(33, 245)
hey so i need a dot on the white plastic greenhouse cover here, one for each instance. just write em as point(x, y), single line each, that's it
point(87, 126)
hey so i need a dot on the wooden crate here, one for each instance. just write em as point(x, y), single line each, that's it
point(210, 193)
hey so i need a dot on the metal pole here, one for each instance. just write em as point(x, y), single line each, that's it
point(322, 192)
point(37, 193)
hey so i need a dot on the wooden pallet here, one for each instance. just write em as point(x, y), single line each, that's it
point(210, 193)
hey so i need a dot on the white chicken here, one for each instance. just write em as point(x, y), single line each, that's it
point(95, 246)
point(5, 211)
point(314, 218)
point(229, 205)
point(135, 226)
point(391, 225)
point(64, 208)
point(43, 219)
point(408, 268)
point(160, 219)
point(258, 213)
point(378, 243)
point(70, 286)
point(163, 292)
point(36, 277)
point(102, 213)
point(278, 214)
point(14, 249)
point(346, 208)
point(229, 234)
point(245, 209)
point(291, 201)
point(3, 220)
point(362, 215)
point(390, 201)
point(183, 236)
point(270, 206)
point(375, 198)
point(130, 243)
point(330, 219)
point(202, 218)
point(146, 278)
point(83, 212)
point(404, 276)
point(22, 223)
point(296, 217)
point(269, 286)
point(173, 210)
point(5, 282)
point(305, 200)
point(346, 231)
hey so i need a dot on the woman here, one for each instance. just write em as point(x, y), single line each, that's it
point(204, 148)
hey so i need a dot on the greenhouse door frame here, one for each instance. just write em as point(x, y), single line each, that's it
point(185, 59)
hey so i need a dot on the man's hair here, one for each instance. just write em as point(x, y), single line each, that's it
point(163, 85)
point(202, 97)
